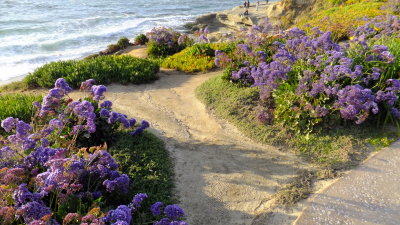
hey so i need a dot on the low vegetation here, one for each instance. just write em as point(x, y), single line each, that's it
point(146, 161)
point(339, 147)
point(341, 26)
point(331, 103)
point(196, 58)
point(113, 48)
point(104, 69)
point(81, 162)
point(141, 39)
point(18, 105)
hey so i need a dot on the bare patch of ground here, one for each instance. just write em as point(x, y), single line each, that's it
point(139, 51)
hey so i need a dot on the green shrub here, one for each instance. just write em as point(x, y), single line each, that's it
point(146, 161)
point(141, 39)
point(163, 42)
point(18, 105)
point(104, 69)
point(201, 50)
point(162, 50)
point(123, 42)
point(113, 48)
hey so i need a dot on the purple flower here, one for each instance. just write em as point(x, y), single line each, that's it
point(173, 212)
point(36, 105)
point(356, 103)
point(97, 91)
point(34, 210)
point(56, 123)
point(87, 85)
point(395, 112)
point(387, 57)
point(203, 39)
point(120, 222)
point(121, 213)
point(63, 85)
point(8, 124)
point(389, 97)
point(243, 48)
point(377, 49)
point(142, 127)
point(56, 93)
point(104, 112)
point(138, 199)
point(22, 195)
point(132, 122)
point(120, 184)
point(394, 85)
point(321, 111)
point(22, 129)
point(106, 104)
point(83, 109)
point(156, 208)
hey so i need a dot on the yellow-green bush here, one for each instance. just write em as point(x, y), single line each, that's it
point(341, 19)
point(197, 58)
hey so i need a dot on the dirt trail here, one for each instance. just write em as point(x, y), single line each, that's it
point(221, 177)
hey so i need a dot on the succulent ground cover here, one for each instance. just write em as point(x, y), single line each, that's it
point(18, 105)
point(104, 69)
point(196, 58)
point(57, 170)
point(328, 15)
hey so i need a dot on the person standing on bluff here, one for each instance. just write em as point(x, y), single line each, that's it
point(267, 1)
point(258, 3)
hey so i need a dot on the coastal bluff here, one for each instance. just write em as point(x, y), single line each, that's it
point(223, 24)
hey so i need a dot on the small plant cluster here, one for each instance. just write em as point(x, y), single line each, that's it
point(141, 39)
point(310, 79)
point(105, 69)
point(331, 18)
point(196, 58)
point(113, 48)
point(18, 105)
point(163, 42)
point(51, 174)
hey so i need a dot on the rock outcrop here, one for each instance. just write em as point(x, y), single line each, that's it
point(224, 23)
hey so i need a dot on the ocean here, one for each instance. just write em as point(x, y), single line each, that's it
point(35, 32)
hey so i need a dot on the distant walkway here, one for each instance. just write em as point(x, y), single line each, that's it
point(369, 194)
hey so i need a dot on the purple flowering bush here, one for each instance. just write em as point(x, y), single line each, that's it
point(50, 173)
point(252, 46)
point(163, 42)
point(311, 80)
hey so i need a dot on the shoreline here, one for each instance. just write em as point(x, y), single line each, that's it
point(222, 24)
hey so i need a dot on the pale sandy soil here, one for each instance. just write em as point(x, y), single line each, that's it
point(221, 177)
point(139, 51)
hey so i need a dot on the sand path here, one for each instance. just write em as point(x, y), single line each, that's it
point(221, 177)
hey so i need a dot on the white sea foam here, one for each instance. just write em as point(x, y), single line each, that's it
point(35, 32)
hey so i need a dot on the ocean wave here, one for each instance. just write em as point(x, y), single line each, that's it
point(61, 30)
